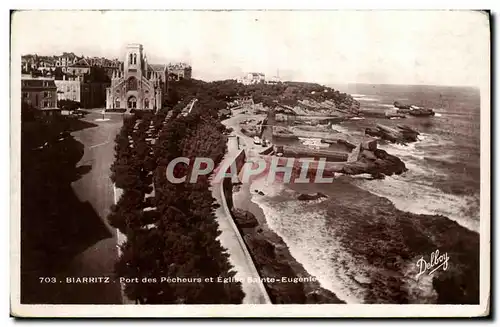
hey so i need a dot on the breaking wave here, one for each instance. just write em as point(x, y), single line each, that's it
point(414, 191)
point(422, 199)
point(301, 224)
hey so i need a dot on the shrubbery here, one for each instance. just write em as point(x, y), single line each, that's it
point(116, 110)
point(179, 238)
point(269, 94)
point(68, 104)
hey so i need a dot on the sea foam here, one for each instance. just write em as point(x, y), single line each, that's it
point(419, 198)
point(301, 224)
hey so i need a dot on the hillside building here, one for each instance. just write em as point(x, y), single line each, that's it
point(41, 94)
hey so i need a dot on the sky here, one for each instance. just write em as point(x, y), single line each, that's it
point(381, 47)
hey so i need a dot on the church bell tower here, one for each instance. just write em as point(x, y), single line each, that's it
point(133, 61)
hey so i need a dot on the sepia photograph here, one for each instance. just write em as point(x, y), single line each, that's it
point(269, 160)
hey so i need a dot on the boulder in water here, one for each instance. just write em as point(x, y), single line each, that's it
point(401, 106)
point(375, 163)
point(244, 219)
point(422, 112)
point(308, 197)
point(401, 134)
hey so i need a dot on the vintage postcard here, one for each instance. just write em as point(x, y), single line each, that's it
point(250, 163)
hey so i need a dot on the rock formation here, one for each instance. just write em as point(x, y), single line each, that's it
point(244, 219)
point(413, 110)
point(367, 159)
point(308, 197)
point(401, 134)
point(375, 163)
point(401, 106)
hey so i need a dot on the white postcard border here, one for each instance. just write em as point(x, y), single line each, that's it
point(317, 310)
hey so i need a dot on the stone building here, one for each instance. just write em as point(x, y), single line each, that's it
point(78, 69)
point(252, 78)
point(137, 85)
point(162, 73)
point(41, 94)
point(66, 59)
point(178, 71)
point(68, 89)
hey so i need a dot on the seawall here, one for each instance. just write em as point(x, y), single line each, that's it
point(231, 239)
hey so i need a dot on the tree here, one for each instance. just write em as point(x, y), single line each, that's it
point(58, 73)
point(97, 75)
point(181, 239)
point(68, 104)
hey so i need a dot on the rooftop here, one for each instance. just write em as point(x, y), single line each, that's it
point(157, 67)
point(31, 83)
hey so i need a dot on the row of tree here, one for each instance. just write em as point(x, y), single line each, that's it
point(178, 238)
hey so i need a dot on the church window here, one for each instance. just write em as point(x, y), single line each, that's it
point(135, 59)
point(132, 83)
point(117, 103)
point(130, 61)
point(146, 103)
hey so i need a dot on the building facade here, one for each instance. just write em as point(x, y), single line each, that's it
point(41, 94)
point(76, 70)
point(68, 63)
point(162, 73)
point(68, 90)
point(136, 86)
point(252, 78)
point(179, 71)
point(273, 80)
point(66, 59)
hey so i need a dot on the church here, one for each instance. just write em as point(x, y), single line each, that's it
point(137, 84)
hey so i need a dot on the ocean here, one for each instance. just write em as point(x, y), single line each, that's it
point(363, 242)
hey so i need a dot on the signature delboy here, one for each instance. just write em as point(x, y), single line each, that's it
point(436, 261)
